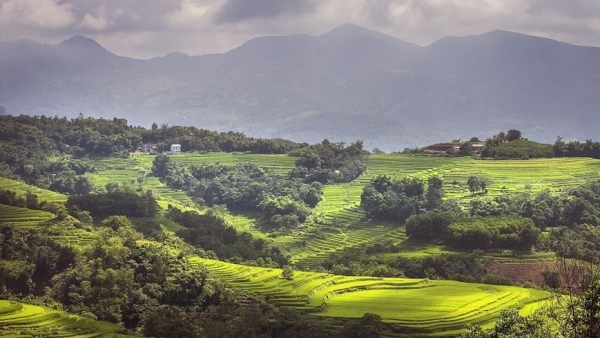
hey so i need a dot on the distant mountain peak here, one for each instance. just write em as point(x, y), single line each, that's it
point(83, 43)
point(176, 56)
point(351, 31)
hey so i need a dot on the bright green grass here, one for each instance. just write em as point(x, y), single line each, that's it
point(22, 216)
point(430, 306)
point(22, 188)
point(24, 320)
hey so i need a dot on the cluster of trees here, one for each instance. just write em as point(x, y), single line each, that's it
point(360, 261)
point(118, 202)
point(582, 242)
point(203, 140)
point(49, 151)
point(329, 162)
point(284, 202)
point(30, 259)
point(12, 198)
point(513, 221)
point(478, 182)
point(465, 232)
point(398, 199)
point(519, 149)
point(513, 145)
point(588, 148)
point(211, 232)
point(148, 286)
point(579, 205)
point(122, 279)
point(103, 137)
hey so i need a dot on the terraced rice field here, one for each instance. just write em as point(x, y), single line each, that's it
point(76, 237)
point(338, 222)
point(429, 306)
point(511, 176)
point(124, 171)
point(23, 217)
point(24, 320)
point(23, 188)
point(341, 202)
point(279, 163)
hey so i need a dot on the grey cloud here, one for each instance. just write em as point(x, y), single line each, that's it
point(242, 10)
point(571, 9)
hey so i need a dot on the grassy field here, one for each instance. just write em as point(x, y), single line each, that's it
point(24, 320)
point(425, 305)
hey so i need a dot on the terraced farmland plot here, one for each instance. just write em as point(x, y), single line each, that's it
point(279, 163)
point(24, 320)
point(430, 306)
point(22, 216)
point(507, 175)
point(514, 175)
point(123, 171)
point(340, 210)
point(338, 221)
point(23, 188)
point(164, 195)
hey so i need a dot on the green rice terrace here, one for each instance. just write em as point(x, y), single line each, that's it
point(338, 222)
point(22, 216)
point(23, 188)
point(426, 306)
point(24, 320)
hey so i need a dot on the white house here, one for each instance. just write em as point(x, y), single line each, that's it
point(175, 148)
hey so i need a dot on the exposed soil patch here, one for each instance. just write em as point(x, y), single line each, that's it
point(521, 272)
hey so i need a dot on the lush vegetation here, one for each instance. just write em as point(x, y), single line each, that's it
point(27, 320)
point(237, 244)
point(512, 145)
point(284, 202)
point(398, 199)
point(464, 232)
point(329, 162)
point(211, 232)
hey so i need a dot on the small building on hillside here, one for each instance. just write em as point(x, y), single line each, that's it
point(148, 148)
point(175, 148)
point(453, 147)
point(478, 146)
point(447, 147)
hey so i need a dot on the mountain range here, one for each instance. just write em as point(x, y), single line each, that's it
point(350, 83)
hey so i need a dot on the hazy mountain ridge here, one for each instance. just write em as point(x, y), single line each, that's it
point(346, 84)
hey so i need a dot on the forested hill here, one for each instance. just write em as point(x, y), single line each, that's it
point(348, 84)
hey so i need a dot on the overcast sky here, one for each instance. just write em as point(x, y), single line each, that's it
point(148, 28)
